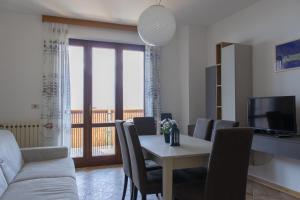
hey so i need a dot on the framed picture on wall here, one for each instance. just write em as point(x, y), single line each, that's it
point(287, 56)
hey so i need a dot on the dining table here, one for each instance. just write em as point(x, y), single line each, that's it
point(191, 153)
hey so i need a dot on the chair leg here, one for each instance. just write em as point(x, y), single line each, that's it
point(131, 189)
point(125, 187)
point(135, 193)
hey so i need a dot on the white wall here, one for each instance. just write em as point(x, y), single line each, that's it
point(169, 79)
point(20, 66)
point(198, 63)
point(184, 68)
point(104, 35)
point(185, 59)
point(263, 25)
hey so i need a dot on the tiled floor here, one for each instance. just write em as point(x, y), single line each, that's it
point(105, 183)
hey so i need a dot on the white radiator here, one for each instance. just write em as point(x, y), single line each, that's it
point(26, 133)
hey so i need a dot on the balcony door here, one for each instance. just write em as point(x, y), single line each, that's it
point(107, 83)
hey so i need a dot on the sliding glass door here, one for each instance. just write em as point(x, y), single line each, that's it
point(107, 81)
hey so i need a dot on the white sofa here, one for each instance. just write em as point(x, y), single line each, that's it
point(35, 173)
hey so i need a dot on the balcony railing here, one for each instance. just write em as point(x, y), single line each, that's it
point(103, 138)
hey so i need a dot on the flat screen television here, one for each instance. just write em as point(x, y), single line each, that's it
point(273, 114)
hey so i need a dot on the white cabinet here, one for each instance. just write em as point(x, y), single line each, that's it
point(236, 82)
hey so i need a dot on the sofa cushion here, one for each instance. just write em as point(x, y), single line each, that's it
point(10, 154)
point(63, 188)
point(3, 183)
point(63, 167)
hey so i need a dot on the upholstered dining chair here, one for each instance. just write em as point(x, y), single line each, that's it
point(201, 172)
point(150, 165)
point(145, 125)
point(203, 129)
point(221, 124)
point(227, 171)
point(147, 182)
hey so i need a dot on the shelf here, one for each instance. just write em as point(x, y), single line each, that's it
point(218, 75)
point(219, 47)
point(224, 44)
point(287, 147)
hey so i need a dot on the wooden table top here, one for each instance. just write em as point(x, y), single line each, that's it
point(189, 146)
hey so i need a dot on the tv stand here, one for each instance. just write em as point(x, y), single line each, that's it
point(283, 135)
point(274, 133)
point(281, 146)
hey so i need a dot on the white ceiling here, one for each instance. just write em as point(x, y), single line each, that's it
point(201, 12)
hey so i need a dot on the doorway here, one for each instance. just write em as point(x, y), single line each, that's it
point(107, 83)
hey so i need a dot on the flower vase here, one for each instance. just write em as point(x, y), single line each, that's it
point(174, 136)
point(167, 137)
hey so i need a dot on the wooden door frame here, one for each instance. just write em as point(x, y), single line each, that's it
point(88, 159)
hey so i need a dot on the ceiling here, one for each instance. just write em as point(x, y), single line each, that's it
point(200, 12)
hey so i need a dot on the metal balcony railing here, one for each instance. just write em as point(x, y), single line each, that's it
point(103, 138)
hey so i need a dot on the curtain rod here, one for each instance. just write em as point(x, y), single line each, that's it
point(88, 23)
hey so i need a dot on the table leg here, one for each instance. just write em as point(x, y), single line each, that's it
point(167, 179)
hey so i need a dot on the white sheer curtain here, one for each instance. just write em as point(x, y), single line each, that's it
point(55, 109)
point(152, 84)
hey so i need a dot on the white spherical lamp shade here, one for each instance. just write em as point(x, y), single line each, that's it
point(156, 26)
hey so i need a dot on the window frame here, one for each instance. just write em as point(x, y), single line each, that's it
point(87, 124)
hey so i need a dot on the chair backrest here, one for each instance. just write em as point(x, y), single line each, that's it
point(165, 116)
point(124, 148)
point(138, 168)
point(228, 164)
point(203, 129)
point(144, 125)
point(221, 124)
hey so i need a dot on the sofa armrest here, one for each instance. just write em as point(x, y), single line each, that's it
point(36, 154)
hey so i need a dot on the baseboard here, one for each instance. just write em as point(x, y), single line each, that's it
point(268, 188)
